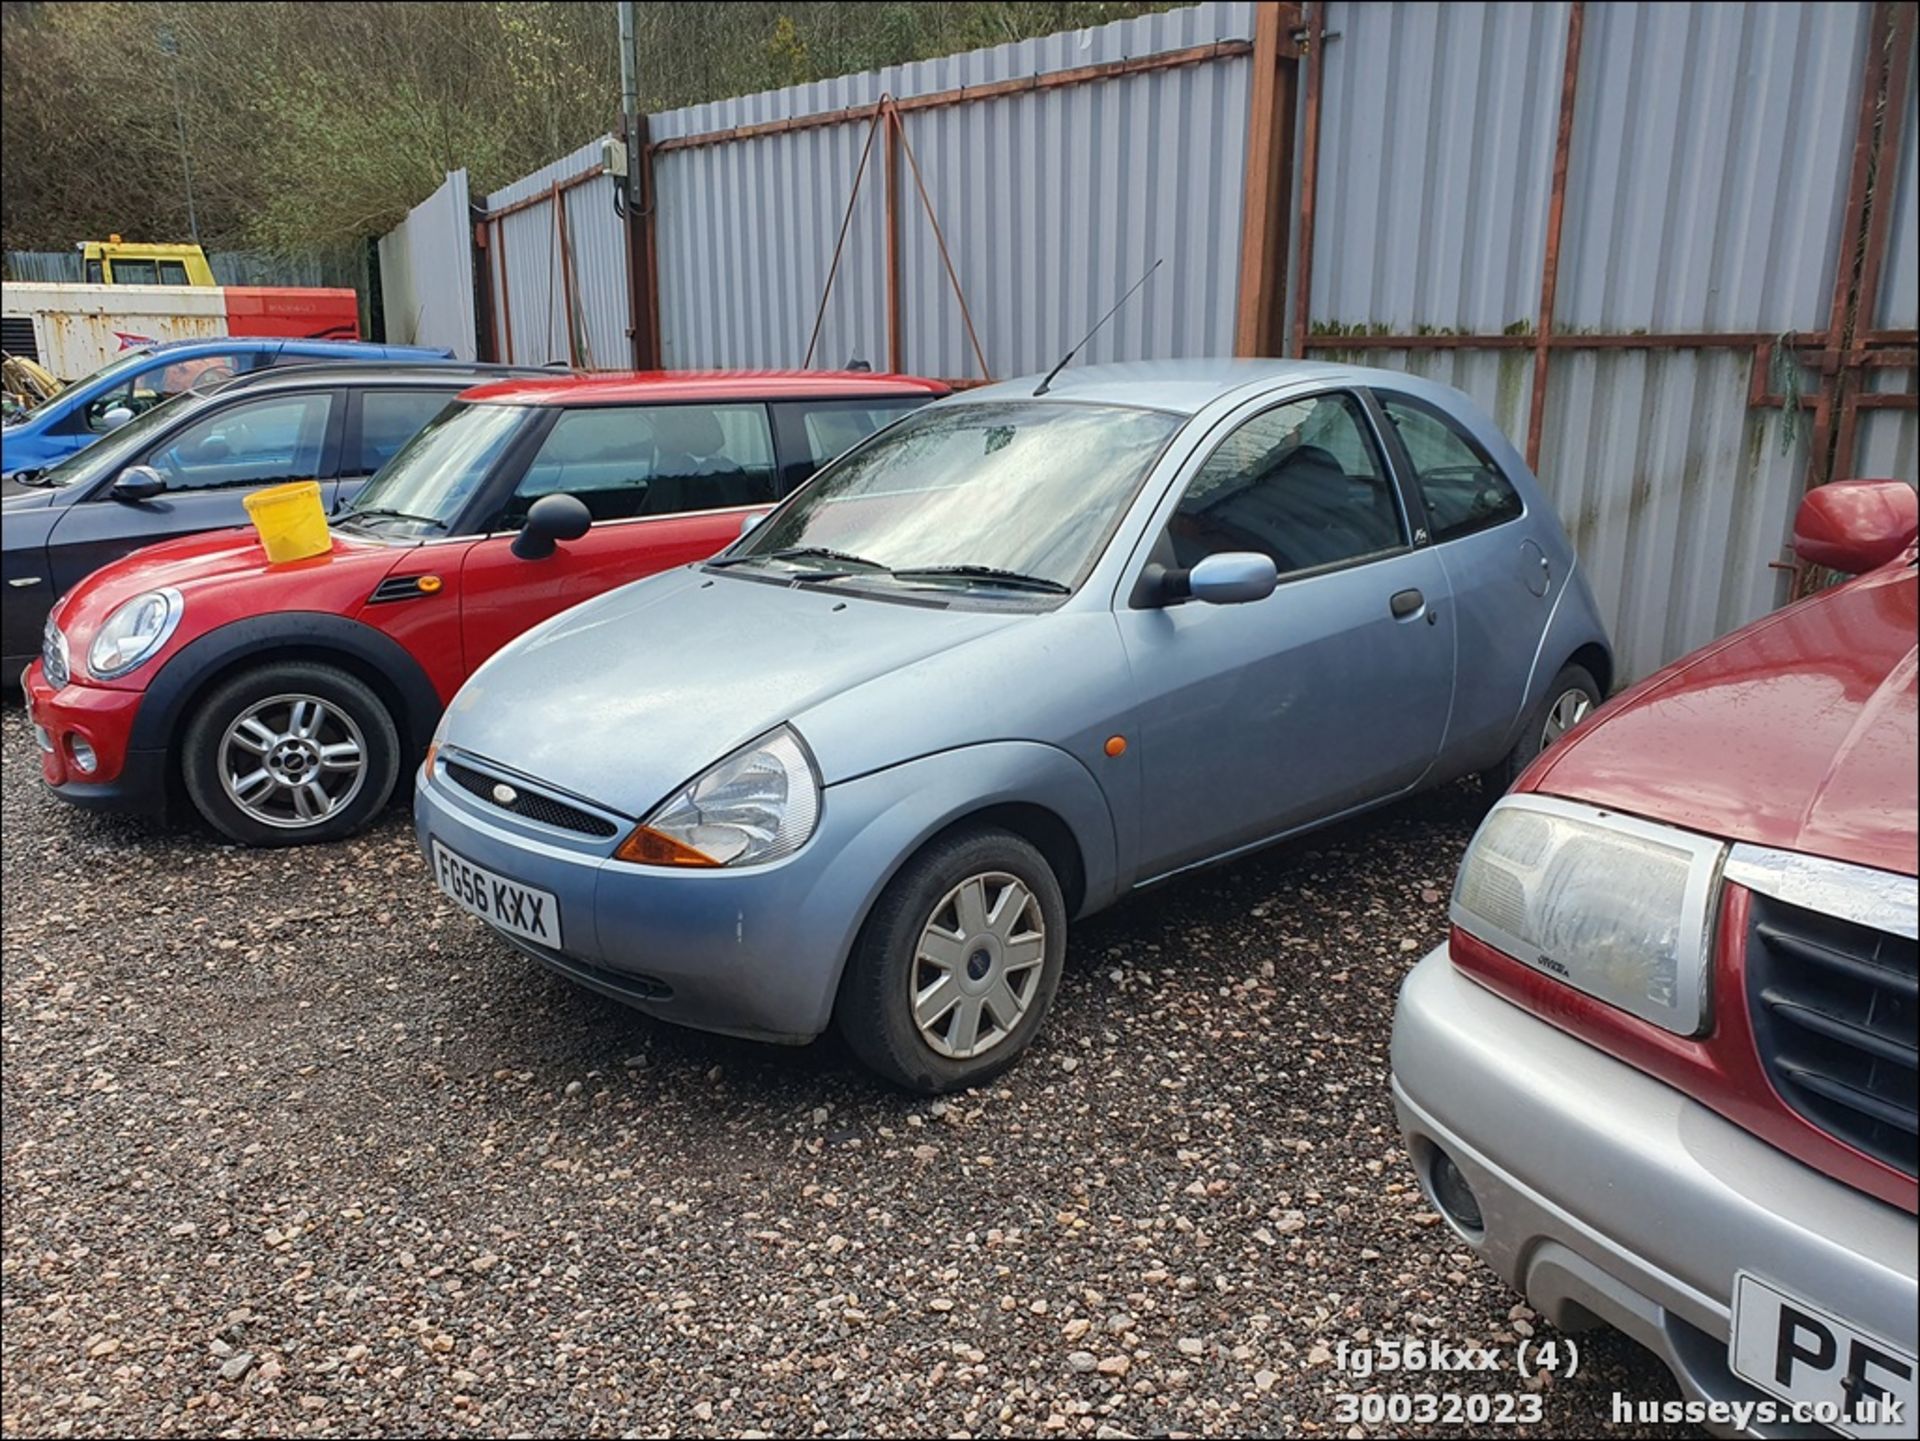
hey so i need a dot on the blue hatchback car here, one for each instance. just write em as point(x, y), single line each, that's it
point(1019, 655)
point(139, 380)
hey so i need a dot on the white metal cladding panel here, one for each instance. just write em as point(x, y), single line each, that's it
point(1067, 50)
point(426, 272)
point(1052, 203)
point(1675, 493)
point(1436, 162)
point(1709, 167)
point(1899, 304)
point(745, 233)
point(530, 285)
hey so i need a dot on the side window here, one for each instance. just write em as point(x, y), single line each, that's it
point(173, 272)
point(1463, 488)
point(631, 460)
point(260, 442)
point(183, 375)
point(815, 432)
point(95, 275)
point(388, 420)
point(135, 272)
point(1302, 483)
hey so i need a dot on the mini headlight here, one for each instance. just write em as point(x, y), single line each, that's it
point(136, 629)
point(756, 805)
point(1616, 907)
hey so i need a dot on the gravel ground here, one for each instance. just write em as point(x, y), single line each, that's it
point(292, 1147)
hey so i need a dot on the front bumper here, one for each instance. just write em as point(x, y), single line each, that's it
point(122, 779)
point(1609, 1196)
point(754, 952)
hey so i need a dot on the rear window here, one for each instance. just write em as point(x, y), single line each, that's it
point(813, 432)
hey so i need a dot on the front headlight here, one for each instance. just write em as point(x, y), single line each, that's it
point(136, 629)
point(1616, 907)
point(756, 805)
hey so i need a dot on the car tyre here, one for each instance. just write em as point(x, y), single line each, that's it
point(325, 742)
point(973, 925)
point(1572, 696)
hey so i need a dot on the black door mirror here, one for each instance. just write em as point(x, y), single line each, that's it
point(137, 483)
point(551, 518)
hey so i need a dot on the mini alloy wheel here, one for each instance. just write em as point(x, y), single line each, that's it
point(292, 761)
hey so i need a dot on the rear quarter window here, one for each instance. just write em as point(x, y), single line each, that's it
point(1460, 482)
point(813, 432)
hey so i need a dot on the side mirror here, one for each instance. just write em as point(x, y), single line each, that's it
point(1233, 577)
point(1854, 526)
point(137, 483)
point(748, 522)
point(114, 417)
point(551, 518)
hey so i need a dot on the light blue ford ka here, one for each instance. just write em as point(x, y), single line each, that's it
point(1020, 654)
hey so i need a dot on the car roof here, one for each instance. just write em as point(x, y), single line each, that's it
point(1181, 386)
point(373, 372)
point(347, 349)
point(657, 386)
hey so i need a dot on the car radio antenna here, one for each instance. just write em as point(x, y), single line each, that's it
point(1041, 389)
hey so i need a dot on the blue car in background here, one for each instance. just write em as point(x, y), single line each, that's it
point(139, 380)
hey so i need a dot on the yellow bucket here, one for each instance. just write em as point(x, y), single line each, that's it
point(291, 523)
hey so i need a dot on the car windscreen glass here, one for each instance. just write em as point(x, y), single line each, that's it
point(113, 369)
point(121, 447)
point(1012, 495)
point(423, 489)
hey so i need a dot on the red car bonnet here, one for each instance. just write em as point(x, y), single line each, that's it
point(1799, 732)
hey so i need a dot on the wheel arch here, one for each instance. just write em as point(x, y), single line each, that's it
point(376, 659)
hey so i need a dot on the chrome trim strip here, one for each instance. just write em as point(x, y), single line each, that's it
point(1879, 899)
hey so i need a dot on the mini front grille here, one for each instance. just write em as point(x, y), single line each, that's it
point(53, 656)
point(1833, 1005)
point(531, 804)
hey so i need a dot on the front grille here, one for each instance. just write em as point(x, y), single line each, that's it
point(16, 337)
point(53, 656)
point(531, 804)
point(1833, 1005)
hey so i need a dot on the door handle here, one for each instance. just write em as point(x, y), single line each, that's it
point(1406, 603)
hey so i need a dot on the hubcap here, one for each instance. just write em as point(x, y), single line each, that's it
point(291, 761)
point(977, 966)
point(1568, 711)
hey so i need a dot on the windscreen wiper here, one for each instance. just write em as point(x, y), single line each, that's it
point(379, 512)
point(800, 552)
point(1012, 579)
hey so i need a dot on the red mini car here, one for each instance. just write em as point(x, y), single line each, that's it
point(284, 701)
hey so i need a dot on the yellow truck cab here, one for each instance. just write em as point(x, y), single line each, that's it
point(114, 261)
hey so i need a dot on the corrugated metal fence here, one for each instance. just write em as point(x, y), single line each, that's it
point(1671, 247)
point(426, 273)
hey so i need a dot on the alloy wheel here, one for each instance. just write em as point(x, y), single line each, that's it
point(292, 761)
point(976, 969)
point(1567, 712)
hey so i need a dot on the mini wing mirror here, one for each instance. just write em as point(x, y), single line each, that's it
point(114, 416)
point(137, 483)
point(1854, 526)
point(551, 518)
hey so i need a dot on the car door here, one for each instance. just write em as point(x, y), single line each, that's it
point(209, 465)
point(1260, 718)
point(1503, 582)
point(666, 485)
point(379, 422)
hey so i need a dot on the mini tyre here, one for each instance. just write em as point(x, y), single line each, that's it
point(1567, 702)
point(958, 963)
point(293, 753)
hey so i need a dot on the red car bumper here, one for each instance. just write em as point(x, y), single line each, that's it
point(78, 721)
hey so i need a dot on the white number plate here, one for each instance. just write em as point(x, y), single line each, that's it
point(509, 905)
point(1806, 1355)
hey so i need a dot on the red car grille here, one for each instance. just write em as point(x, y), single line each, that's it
point(1833, 1010)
